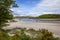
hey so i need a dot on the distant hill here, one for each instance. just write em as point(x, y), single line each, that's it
point(44, 16)
point(24, 17)
point(49, 16)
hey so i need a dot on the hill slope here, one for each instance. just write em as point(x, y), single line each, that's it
point(49, 16)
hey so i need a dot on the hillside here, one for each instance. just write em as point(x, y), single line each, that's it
point(49, 16)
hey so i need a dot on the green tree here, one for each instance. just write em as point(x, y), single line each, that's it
point(5, 12)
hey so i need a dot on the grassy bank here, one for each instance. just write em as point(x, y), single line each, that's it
point(26, 34)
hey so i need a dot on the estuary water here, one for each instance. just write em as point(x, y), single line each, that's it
point(39, 20)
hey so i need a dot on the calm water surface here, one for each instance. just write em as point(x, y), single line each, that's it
point(38, 20)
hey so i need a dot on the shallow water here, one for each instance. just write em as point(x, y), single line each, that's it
point(38, 20)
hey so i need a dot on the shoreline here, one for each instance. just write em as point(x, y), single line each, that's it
point(52, 27)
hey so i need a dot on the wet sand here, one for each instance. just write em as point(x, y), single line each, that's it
point(53, 27)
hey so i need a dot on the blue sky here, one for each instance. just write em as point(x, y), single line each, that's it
point(26, 5)
point(36, 7)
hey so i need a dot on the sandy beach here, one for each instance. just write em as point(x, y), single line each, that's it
point(53, 27)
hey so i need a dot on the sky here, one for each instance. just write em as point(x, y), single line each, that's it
point(36, 7)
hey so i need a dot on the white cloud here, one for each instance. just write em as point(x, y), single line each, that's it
point(46, 6)
point(19, 12)
point(43, 7)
